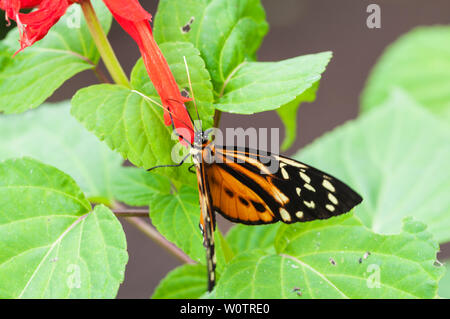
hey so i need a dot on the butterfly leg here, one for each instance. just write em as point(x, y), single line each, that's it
point(173, 165)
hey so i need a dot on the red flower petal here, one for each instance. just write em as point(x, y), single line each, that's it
point(11, 8)
point(135, 21)
point(24, 4)
point(35, 25)
point(128, 9)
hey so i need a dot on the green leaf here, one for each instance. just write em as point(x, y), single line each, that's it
point(226, 32)
point(419, 63)
point(256, 275)
point(53, 245)
point(396, 157)
point(184, 282)
point(135, 186)
point(263, 86)
point(34, 74)
point(337, 258)
point(126, 122)
point(444, 284)
point(51, 135)
point(242, 238)
point(134, 126)
point(288, 115)
point(177, 216)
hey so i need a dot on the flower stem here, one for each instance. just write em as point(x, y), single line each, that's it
point(152, 233)
point(133, 212)
point(103, 45)
point(100, 75)
point(217, 115)
point(134, 217)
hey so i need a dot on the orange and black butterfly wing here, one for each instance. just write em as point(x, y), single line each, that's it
point(237, 198)
point(251, 188)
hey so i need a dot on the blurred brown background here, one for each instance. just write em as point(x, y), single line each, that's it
point(296, 27)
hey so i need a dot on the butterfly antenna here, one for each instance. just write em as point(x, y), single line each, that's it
point(190, 87)
point(172, 115)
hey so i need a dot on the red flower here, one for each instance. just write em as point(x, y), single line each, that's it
point(135, 20)
point(35, 25)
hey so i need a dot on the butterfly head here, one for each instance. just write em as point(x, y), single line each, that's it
point(198, 139)
point(201, 142)
point(201, 138)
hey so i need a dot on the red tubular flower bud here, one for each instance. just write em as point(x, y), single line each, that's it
point(135, 21)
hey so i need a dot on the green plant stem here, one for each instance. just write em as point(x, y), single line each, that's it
point(100, 75)
point(125, 212)
point(134, 217)
point(217, 115)
point(103, 45)
point(152, 233)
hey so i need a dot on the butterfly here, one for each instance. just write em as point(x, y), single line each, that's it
point(253, 187)
point(241, 185)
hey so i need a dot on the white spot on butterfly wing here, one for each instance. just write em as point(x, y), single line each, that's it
point(309, 187)
point(280, 197)
point(305, 177)
point(290, 162)
point(285, 215)
point(328, 185)
point(284, 173)
point(310, 204)
point(332, 199)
